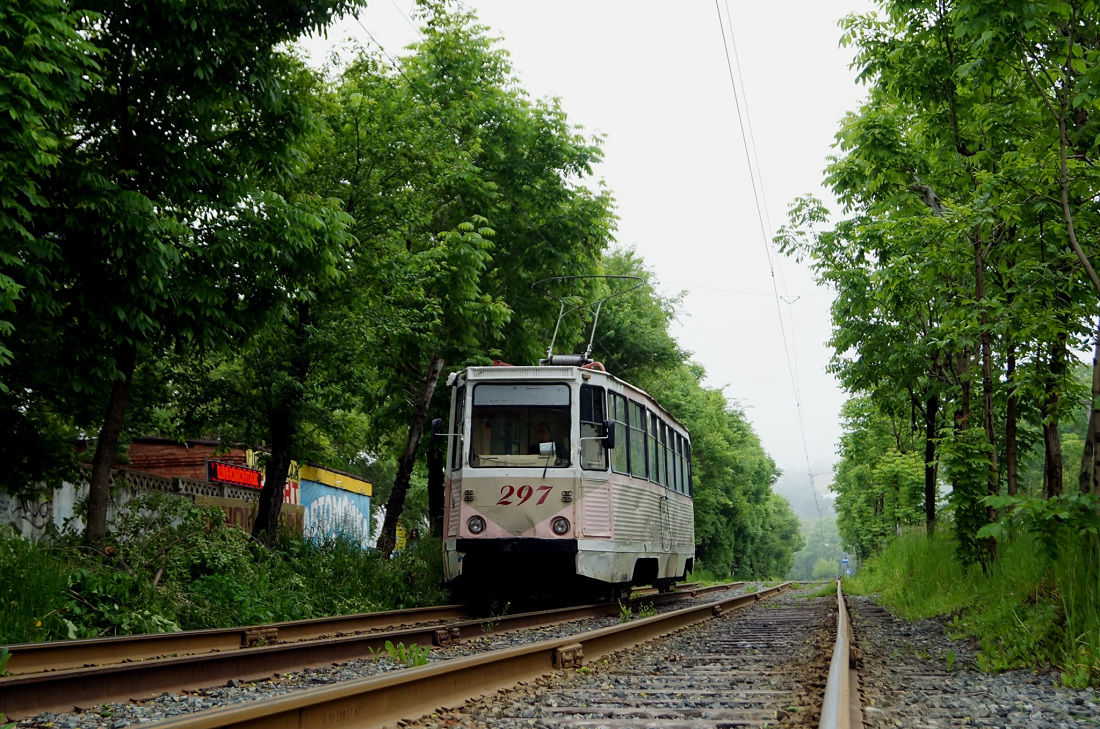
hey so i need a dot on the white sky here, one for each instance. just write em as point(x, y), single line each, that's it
point(653, 78)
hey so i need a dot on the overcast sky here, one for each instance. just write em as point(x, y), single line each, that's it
point(653, 78)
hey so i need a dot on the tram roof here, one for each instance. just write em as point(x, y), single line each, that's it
point(549, 373)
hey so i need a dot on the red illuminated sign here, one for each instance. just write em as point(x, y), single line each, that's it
point(235, 475)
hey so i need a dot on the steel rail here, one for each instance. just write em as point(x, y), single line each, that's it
point(57, 655)
point(840, 707)
point(382, 701)
point(28, 694)
point(27, 658)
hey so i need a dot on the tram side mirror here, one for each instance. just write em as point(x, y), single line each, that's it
point(547, 449)
point(437, 426)
point(609, 431)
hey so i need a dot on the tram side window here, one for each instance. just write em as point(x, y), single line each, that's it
point(687, 467)
point(653, 450)
point(620, 454)
point(457, 426)
point(666, 458)
point(676, 443)
point(593, 454)
point(681, 463)
point(637, 440)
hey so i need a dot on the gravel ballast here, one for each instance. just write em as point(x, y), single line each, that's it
point(907, 682)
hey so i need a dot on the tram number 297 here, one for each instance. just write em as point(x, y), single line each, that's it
point(523, 494)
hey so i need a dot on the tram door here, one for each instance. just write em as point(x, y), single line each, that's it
point(454, 468)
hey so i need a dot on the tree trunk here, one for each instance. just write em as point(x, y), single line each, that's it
point(266, 526)
point(387, 540)
point(437, 476)
point(282, 423)
point(1011, 418)
point(1051, 407)
point(931, 412)
point(1090, 459)
point(99, 487)
point(987, 390)
point(1051, 410)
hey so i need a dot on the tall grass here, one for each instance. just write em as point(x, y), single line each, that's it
point(1031, 608)
point(31, 577)
point(1077, 574)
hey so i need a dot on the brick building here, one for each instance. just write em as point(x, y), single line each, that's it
point(171, 458)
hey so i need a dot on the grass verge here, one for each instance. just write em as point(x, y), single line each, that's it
point(1036, 606)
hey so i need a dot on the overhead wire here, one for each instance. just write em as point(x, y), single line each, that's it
point(758, 198)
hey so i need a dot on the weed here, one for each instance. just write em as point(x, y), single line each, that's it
point(495, 614)
point(647, 611)
point(4, 724)
point(950, 658)
point(5, 656)
point(414, 655)
point(625, 613)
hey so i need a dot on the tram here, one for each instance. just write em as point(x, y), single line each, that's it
point(562, 480)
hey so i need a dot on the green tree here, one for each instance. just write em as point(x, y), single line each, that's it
point(163, 237)
point(46, 66)
point(512, 213)
point(825, 569)
point(951, 175)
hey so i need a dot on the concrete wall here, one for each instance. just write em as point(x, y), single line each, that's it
point(33, 519)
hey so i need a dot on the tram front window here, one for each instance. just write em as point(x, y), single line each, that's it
point(520, 425)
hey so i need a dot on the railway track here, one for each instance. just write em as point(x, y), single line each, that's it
point(65, 675)
point(747, 660)
point(765, 665)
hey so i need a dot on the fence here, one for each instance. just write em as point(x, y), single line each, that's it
point(33, 519)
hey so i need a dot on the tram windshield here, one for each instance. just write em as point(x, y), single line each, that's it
point(520, 425)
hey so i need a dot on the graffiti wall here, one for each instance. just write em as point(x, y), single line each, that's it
point(335, 504)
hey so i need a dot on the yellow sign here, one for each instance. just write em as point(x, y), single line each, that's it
point(336, 480)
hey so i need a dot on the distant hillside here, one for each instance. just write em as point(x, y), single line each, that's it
point(794, 485)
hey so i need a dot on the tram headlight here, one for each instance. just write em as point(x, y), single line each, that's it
point(560, 525)
point(476, 525)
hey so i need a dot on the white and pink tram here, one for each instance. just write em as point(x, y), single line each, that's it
point(563, 480)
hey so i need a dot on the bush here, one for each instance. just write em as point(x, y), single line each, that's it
point(174, 565)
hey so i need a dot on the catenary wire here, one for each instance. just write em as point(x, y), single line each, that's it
point(757, 192)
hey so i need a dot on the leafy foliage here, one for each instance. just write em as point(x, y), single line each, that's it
point(290, 260)
point(199, 573)
point(414, 655)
